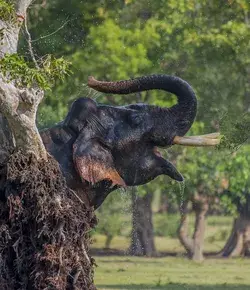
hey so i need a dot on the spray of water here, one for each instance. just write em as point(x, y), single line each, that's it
point(182, 185)
point(126, 209)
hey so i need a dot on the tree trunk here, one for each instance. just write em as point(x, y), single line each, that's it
point(185, 239)
point(142, 236)
point(6, 142)
point(201, 209)
point(238, 243)
point(194, 245)
point(108, 241)
point(163, 208)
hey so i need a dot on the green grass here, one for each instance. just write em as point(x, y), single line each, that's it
point(134, 273)
point(173, 273)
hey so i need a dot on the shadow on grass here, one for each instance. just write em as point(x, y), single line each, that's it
point(123, 253)
point(175, 286)
point(148, 261)
point(102, 252)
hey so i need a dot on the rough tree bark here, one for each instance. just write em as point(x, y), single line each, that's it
point(19, 105)
point(142, 236)
point(194, 245)
point(10, 29)
point(43, 227)
point(6, 141)
point(238, 243)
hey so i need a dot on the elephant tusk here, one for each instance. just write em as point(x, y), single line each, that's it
point(206, 136)
point(212, 139)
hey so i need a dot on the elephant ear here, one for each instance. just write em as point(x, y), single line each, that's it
point(93, 162)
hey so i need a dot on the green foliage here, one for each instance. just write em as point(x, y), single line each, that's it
point(114, 52)
point(220, 235)
point(166, 225)
point(200, 168)
point(236, 171)
point(15, 68)
point(205, 43)
point(48, 115)
point(215, 173)
point(182, 274)
point(7, 10)
point(235, 131)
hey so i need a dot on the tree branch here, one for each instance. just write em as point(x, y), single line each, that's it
point(22, 6)
point(29, 43)
point(52, 33)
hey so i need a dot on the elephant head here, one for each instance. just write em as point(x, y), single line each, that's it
point(101, 148)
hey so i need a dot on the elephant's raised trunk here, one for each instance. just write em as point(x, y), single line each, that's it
point(182, 114)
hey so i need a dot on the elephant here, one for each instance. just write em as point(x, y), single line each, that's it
point(101, 148)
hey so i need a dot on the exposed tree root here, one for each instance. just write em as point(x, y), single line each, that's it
point(43, 230)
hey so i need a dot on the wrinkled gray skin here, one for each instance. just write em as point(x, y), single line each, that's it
point(101, 148)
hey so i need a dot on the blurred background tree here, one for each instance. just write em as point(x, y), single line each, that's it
point(236, 201)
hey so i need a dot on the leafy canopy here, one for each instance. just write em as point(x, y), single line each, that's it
point(15, 68)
